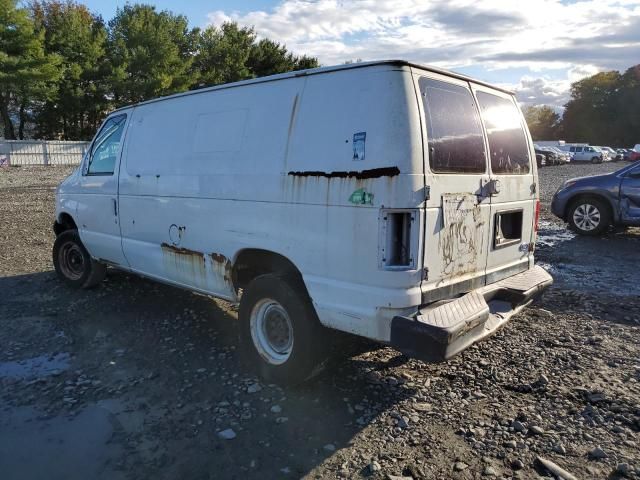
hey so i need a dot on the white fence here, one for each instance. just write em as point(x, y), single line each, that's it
point(41, 152)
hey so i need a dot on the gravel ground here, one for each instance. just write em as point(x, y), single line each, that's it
point(136, 379)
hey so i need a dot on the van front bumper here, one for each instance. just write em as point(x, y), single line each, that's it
point(437, 333)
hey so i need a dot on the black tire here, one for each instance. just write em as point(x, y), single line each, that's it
point(582, 208)
point(595, 160)
point(73, 263)
point(306, 355)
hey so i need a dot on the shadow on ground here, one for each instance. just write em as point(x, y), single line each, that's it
point(134, 379)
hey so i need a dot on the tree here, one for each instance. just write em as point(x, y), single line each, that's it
point(27, 74)
point(79, 38)
point(627, 124)
point(230, 53)
point(268, 57)
point(222, 54)
point(591, 113)
point(150, 52)
point(543, 122)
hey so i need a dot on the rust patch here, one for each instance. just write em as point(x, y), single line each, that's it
point(361, 175)
point(223, 267)
point(181, 251)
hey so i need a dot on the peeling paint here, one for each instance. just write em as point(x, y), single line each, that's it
point(359, 175)
point(223, 267)
point(461, 239)
point(185, 264)
point(181, 251)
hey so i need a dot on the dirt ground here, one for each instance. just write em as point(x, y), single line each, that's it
point(138, 380)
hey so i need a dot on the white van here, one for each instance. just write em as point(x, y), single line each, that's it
point(389, 200)
point(584, 153)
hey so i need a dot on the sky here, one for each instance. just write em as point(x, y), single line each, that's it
point(534, 47)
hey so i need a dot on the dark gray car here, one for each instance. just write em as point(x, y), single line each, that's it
point(591, 204)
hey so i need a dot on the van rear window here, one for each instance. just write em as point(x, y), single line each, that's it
point(507, 142)
point(454, 131)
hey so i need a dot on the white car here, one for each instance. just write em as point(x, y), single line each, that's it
point(360, 197)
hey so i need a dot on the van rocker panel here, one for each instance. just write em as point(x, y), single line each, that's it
point(438, 333)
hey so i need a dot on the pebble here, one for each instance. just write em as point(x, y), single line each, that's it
point(517, 426)
point(460, 466)
point(276, 409)
point(536, 430)
point(227, 434)
point(254, 388)
point(329, 447)
point(622, 468)
point(517, 464)
point(282, 419)
point(489, 471)
point(374, 467)
point(598, 453)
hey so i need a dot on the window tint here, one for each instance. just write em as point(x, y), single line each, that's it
point(104, 150)
point(454, 131)
point(507, 142)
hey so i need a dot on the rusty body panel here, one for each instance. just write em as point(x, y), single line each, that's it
point(184, 264)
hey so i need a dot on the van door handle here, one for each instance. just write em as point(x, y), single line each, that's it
point(115, 206)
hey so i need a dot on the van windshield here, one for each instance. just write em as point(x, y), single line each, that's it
point(453, 128)
point(507, 142)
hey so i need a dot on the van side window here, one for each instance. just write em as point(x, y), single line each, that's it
point(454, 131)
point(104, 150)
point(507, 142)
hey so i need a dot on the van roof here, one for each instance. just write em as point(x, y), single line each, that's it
point(316, 71)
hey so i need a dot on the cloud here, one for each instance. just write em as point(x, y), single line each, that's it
point(580, 37)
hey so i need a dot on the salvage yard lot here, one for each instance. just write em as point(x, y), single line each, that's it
point(134, 379)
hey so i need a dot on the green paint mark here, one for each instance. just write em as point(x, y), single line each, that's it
point(360, 197)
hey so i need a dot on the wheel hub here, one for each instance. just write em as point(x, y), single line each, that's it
point(586, 216)
point(71, 261)
point(271, 331)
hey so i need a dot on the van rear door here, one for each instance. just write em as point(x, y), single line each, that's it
point(512, 187)
point(458, 211)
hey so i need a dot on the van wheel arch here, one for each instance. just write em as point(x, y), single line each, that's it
point(63, 223)
point(253, 262)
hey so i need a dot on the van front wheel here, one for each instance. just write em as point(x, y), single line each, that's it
point(281, 337)
point(73, 264)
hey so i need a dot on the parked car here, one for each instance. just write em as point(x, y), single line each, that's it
point(591, 204)
point(550, 157)
point(620, 154)
point(634, 154)
point(563, 157)
point(331, 214)
point(609, 154)
point(585, 153)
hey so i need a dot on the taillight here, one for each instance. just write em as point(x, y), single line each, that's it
point(537, 217)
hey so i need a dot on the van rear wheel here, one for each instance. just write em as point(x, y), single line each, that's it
point(281, 337)
point(73, 264)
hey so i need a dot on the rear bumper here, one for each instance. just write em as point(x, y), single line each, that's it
point(437, 333)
